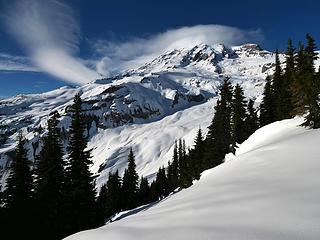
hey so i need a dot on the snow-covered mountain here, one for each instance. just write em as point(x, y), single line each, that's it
point(270, 190)
point(145, 108)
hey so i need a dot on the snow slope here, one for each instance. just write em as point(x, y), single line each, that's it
point(270, 190)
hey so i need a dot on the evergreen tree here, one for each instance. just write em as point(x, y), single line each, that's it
point(290, 59)
point(312, 80)
point(196, 156)
point(238, 116)
point(288, 78)
point(81, 185)
point(113, 200)
point(267, 113)
point(185, 177)
point(299, 85)
point(154, 194)
point(219, 139)
point(109, 200)
point(278, 90)
point(102, 203)
point(251, 122)
point(173, 172)
point(310, 54)
point(18, 196)
point(144, 191)
point(161, 183)
point(130, 181)
point(50, 183)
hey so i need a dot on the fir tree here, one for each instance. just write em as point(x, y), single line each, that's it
point(196, 156)
point(81, 185)
point(267, 110)
point(154, 194)
point(102, 203)
point(238, 116)
point(185, 177)
point(290, 59)
point(173, 172)
point(144, 191)
point(113, 200)
point(278, 90)
point(19, 196)
point(312, 80)
point(219, 139)
point(161, 183)
point(288, 77)
point(299, 85)
point(310, 54)
point(251, 122)
point(109, 200)
point(50, 183)
point(130, 181)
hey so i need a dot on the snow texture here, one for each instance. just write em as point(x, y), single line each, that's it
point(269, 190)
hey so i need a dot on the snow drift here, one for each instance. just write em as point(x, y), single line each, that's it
point(270, 190)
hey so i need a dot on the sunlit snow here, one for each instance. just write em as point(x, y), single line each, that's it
point(269, 191)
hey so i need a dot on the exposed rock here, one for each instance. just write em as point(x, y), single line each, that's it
point(112, 89)
point(251, 47)
point(195, 98)
point(267, 66)
point(188, 97)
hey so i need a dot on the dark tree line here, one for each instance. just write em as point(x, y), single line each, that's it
point(57, 197)
point(295, 89)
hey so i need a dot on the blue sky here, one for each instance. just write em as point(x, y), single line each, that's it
point(46, 44)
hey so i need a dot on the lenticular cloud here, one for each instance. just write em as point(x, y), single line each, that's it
point(50, 33)
point(119, 56)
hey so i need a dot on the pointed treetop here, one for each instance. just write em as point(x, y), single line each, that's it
point(290, 56)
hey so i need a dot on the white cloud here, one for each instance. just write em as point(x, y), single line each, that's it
point(117, 56)
point(15, 63)
point(50, 33)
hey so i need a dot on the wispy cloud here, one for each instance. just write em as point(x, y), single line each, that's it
point(117, 56)
point(15, 63)
point(50, 33)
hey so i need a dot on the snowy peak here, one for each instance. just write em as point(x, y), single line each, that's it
point(214, 59)
point(179, 58)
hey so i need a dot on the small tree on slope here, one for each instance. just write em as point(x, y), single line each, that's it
point(219, 139)
point(238, 116)
point(130, 181)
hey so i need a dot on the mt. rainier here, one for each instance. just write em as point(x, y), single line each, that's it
point(145, 108)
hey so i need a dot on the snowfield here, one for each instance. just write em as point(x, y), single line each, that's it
point(269, 190)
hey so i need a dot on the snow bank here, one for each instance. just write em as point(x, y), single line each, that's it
point(269, 191)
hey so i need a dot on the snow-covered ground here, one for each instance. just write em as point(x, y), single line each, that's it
point(269, 190)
